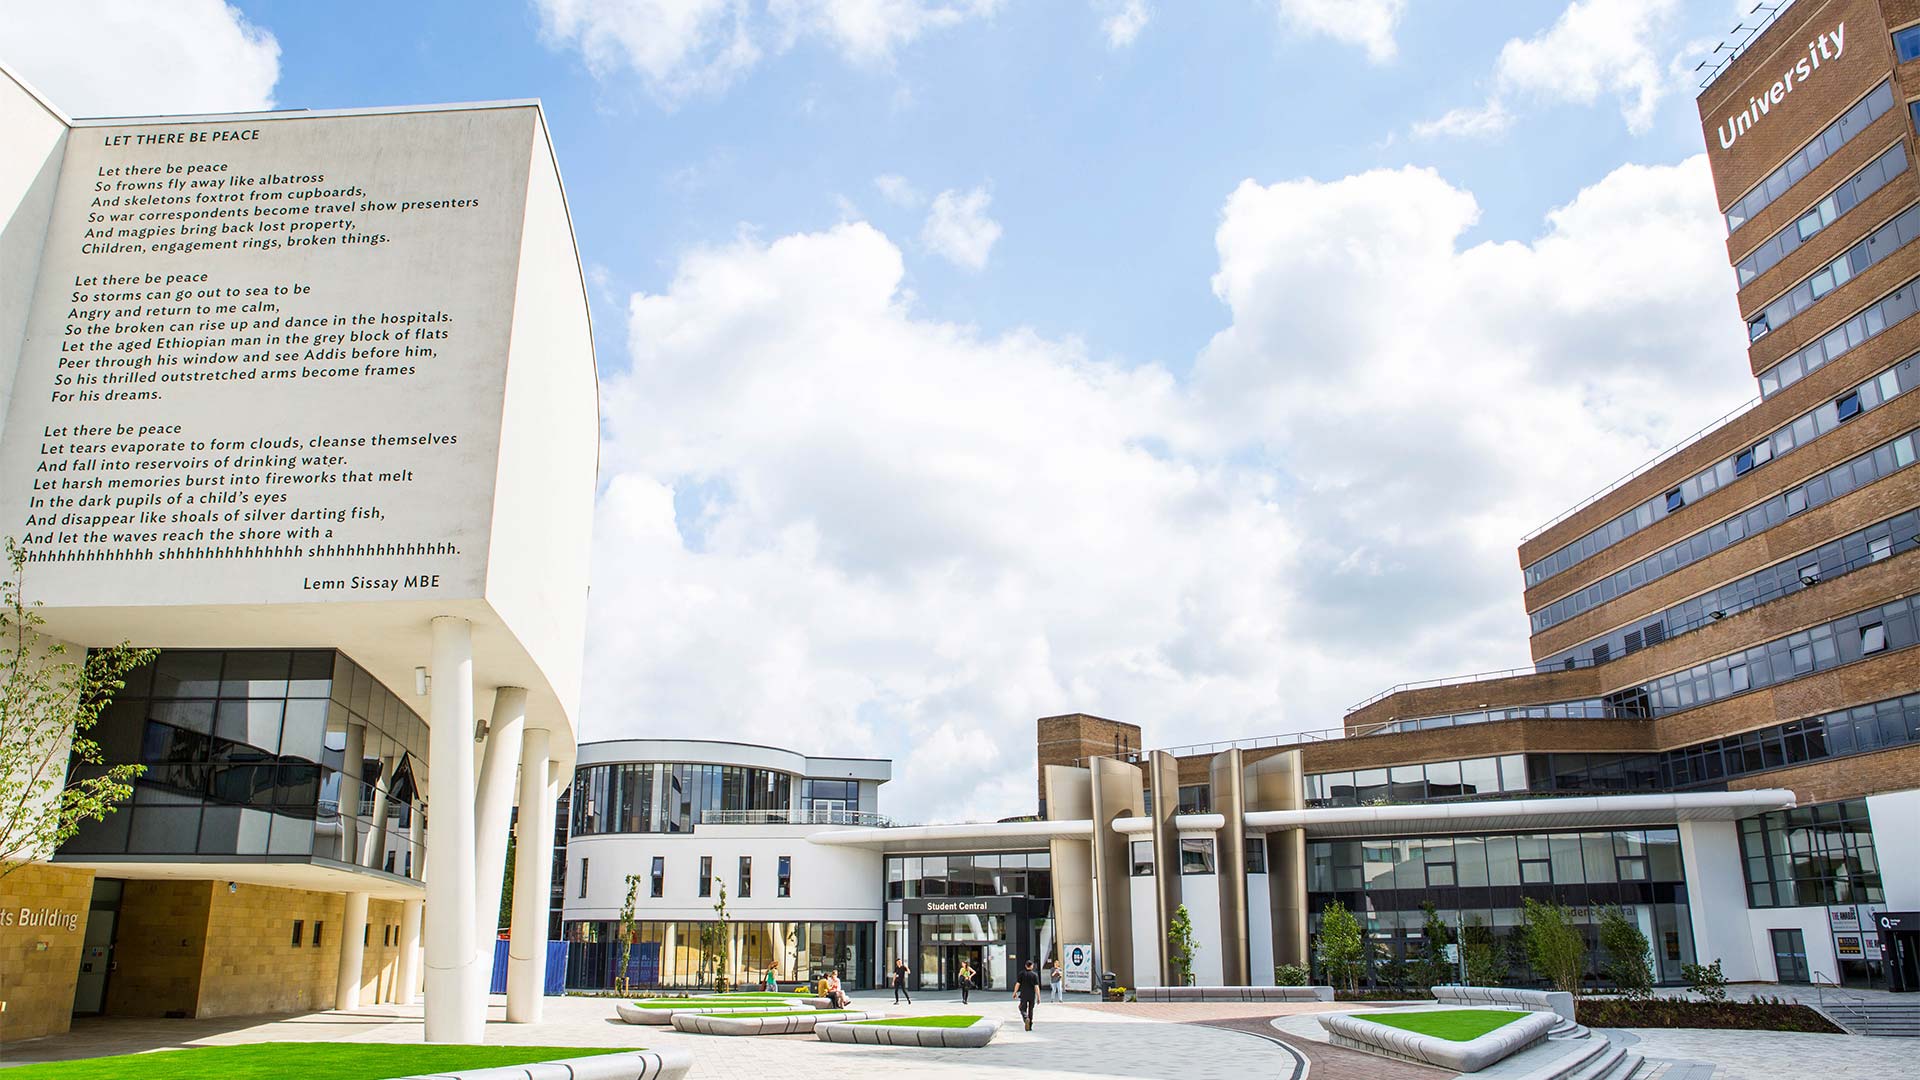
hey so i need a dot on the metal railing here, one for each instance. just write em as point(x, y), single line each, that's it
point(814, 816)
point(1715, 64)
point(1641, 469)
point(1448, 680)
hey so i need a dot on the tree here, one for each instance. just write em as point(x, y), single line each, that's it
point(1707, 980)
point(506, 885)
point(1434, 968)
point(47, 706)
point(622, 983)
point(1487, 961)
point(716, 941)
point(1340, 945)
point(1181, 946)
point(1626, 950)
point(1556, 948)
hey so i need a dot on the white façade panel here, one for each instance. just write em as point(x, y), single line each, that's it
point(265, 359)
point(1896, 844)
point(1146, 934)
point(35, 136)
point(1201, 895)
point(1259, 931)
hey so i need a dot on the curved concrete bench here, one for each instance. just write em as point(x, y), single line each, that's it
point(1234, 993)
point(1354, 1033)
point(632, 1065)
point(658, 1016)
point(796, 1023)
point(973, 1036)
point(1506, 997)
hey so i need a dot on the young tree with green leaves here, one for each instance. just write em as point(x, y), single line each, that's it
point(1487, 961)
point(716, 941)
point(1181, 946)
point(1340, 945)
point(1626, 950)
point(1434, 968)
point(1556, 947)
point(47, 706)
point(622, 983)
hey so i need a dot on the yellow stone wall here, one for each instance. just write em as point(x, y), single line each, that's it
point(158, 948)
point(252, 965)
point(39, 964)
point(380, 965)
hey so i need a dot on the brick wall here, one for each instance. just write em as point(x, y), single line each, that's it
point(39, 964)
point(1074, 737)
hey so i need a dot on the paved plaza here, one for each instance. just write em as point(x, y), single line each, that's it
point(1084, 1040)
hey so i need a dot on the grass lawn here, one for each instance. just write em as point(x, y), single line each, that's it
point(782, 1012)
point(713, 1003)
point(275, 1061)
point(924, 1021)
point(1454, 1025)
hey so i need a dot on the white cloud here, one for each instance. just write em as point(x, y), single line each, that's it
point(1369, 24)
point(684, 47)
point(1595, 48)
point(131, 57)
point(1123, 25)
point(897, 190)
point(958, 228)
point(834, 523)
point(1467, 122)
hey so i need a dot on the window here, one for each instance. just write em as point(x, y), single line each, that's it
point(1796, 500)
point(1879, 548)
point(1195, 799)
point(1848, 406)
point(1743, 462)
point(1675, 500)
point(1811, 856)
point(1906, 44)
point(706, 875)
point(1756, 330)
point(658, 887)
point(746, 876)
point(1817, 149)
point(783, 882)
point(366, 935)
point(1256, 855)
point(1873, 638)
point(316, 933)
point(299, 928)
point(1142, 858)
point(583, 878)
point(1196, 855)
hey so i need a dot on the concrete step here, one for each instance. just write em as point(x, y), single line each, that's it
point(1895, 1019)
point(1601, 1065)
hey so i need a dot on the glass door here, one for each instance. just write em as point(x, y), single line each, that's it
point(1789, 956)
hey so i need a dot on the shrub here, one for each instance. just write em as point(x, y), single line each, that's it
point(1709, 981)
point(1626, 951)
point(1487, 958)
point(1290, 975)
point(1180, 945)
point(1757, 1015)
point(1433, 968)
point(1556, 948)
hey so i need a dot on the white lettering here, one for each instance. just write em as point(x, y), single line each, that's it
point(1737, 124)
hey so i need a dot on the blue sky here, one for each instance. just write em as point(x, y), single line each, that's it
point(967, 361)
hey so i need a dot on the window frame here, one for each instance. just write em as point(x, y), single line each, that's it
point(1201, 848)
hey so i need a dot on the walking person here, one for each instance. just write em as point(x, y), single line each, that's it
point(900, 982)
point(1026, 989)
point(966, 979)
point(1058, 979)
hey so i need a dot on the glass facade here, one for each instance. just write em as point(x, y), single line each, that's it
point(1811, 855)
point(684, 955)
point(1482, 880)
point(911, 877)
point(668, 797)
point(271, 753)
point(1009, 918)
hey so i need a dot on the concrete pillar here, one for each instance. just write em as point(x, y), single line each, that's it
point(353, 939)
point(455, 1011)
point(532, 884)
point(492, 808)
point(1225, 779)
point(406, 983)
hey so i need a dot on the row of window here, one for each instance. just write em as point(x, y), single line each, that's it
point(1790, 436)
point(1571, 858)
point(1877, 245)
point(1848, 476)
point(1811, 855)
point(1196, 856)
point(669, 797)
point(1418, 783)
point(1194, 799)
point(657, 877)
point(1008, 874)
point(1836, 558)
point(1853, 191)
point(1870, 322)
point(1807, 158)
point(1862, 729)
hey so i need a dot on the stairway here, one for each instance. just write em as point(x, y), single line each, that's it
point(1865, 1016)
point(1595, 1058)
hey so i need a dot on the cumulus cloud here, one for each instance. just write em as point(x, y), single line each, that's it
point(1595, 48)
point(1124, 22)
point(129, 57)
point(836, 523)
point(681, 48)
point(958, 228)
point(897, 190)
point(1369, 24)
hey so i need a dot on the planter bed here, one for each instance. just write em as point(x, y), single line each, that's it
point(368, 1061)
point(1234, 993)
point(787, 1022)
point(1726, 1015)
point(940, 1032)
point(1443, 1037)
point(664, 1012)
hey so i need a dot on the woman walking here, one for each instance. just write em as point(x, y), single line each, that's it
point(966, 979)
point(1058, 979)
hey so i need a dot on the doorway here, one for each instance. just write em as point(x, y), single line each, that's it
point(1789, 956)
point(96, 948)
point(953, 957)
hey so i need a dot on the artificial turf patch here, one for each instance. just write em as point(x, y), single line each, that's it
point(1454, 1025)
point(278, 1060)
point(710, 1003)
point(924, 1021)
point(780, 1012)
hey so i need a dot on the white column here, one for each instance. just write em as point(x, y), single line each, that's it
point(353, 939)
point(1717, 899)
point(406, 983)
point(532, 884)
point(493, 807)
point(455, 1009)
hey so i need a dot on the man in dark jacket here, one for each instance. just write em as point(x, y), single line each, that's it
point(900, 982)
point(1026, 988)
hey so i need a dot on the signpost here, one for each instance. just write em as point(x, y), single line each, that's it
point(1079, 968)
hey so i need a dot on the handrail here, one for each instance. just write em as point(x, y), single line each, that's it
point(814, 816)
point(1641, 469)
point(1734, 52)
point(1455, 680)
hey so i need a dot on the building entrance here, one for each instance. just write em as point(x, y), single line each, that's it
point(96, 950)
point(1900, 949)
point(954, 957)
